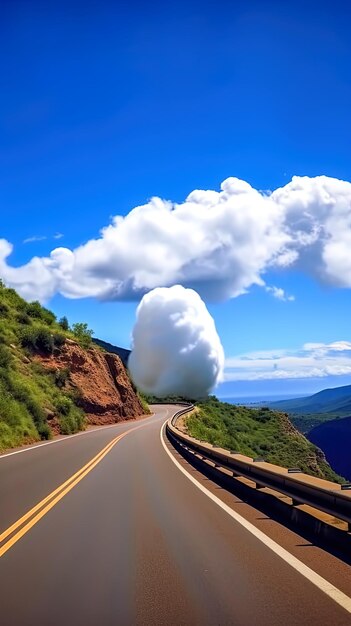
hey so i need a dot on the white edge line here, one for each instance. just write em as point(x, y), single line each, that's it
point(65, 437)
point(323, 585)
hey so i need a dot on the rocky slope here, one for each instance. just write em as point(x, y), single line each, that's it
point(104, 390)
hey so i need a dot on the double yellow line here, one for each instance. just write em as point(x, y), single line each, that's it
point(29, 519)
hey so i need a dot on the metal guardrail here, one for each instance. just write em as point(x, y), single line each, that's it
point(331, 498)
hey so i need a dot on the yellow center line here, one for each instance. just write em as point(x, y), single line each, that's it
point(54, 497)
point(40, 504)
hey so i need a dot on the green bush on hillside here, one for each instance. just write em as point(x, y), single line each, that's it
point(143, 403)
point(58, 339)
point(83, 334)
point(41, 339)
point(4, 309)
point(72, 423)
point(23, 318)
point(5, 356)
point(63, 404)
point(37, 339)
point(71, 418)
point(36, 310)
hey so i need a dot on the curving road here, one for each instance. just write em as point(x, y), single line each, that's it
point(123, 536)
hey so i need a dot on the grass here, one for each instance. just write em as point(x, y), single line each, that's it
point(29, 393)
point(144, 403)
point(258, 433)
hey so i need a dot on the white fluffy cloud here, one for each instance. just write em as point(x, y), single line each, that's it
point(279, 294)
point(314, 360)
point(217, 242)
point(176, 349)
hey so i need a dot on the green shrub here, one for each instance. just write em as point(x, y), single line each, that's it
point(36, 310)
point(72, 423)
point(83, 334)
point(143, 403)
point(44, 431)
point(58, 339)
point(63, 405)
point(14, 300)
point(23, 318)
point(4, 309)
point(19, 389)
point(37, 339)
point(7, 333)
point(15, 422)
point(67, 425)
point(5, 356)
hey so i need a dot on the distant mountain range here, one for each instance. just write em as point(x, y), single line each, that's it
point(123, 353)
point(325, 419)
point(336, 402)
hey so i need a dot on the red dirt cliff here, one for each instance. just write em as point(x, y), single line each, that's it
point(105, 392)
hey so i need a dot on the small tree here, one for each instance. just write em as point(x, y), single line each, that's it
point(82, 333)
point(63, 322)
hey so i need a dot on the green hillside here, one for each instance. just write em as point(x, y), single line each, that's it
point(337, 400)
point(29, 393)
point(308, 412)
point(258, 432)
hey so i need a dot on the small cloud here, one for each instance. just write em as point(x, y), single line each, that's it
point(42, 238)
point(34, 238)
point(279, 293)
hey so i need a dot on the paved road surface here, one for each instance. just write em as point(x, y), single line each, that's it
point(131, 540)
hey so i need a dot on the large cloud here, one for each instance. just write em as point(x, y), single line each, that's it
point(219, 243)
point(176, 349)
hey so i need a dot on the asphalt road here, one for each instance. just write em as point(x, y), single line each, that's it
point(131, 540)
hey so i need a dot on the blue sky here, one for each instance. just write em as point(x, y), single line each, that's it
point(104, 106)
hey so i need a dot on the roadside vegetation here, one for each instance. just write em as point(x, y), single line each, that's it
point(30, 394)
point(151, 399)
point(144, 403)
point(257, 432)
